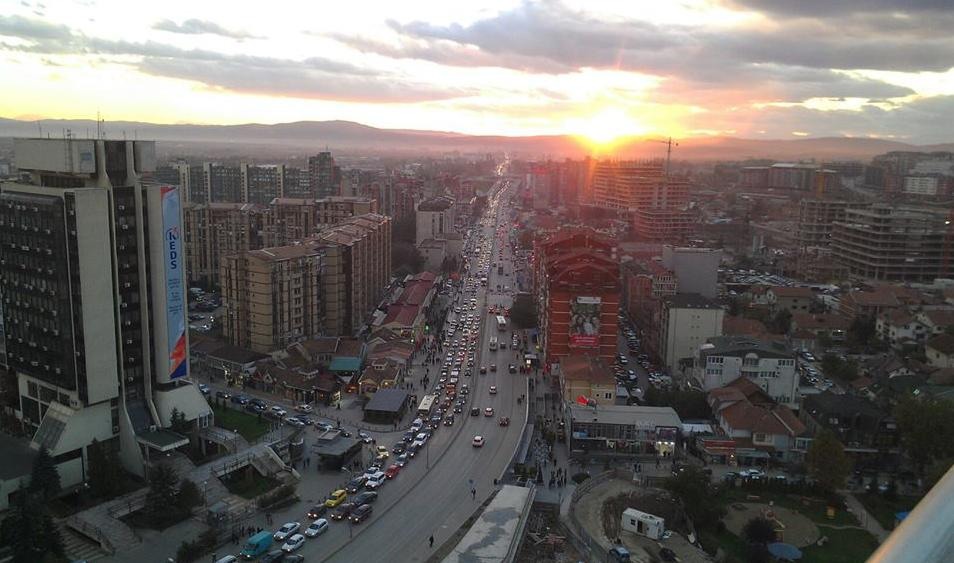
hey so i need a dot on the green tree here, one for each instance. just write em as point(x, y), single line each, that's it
point(759, 530)
point(862, 330)
point(781, 321)
point(161, 499)
point(189, 495)
point(29, 530)
point(926, 427)
point(106, 476)
point(694, 490)
point(45, 479)
point(827, 462)
point(178, 422)
point(524, 311)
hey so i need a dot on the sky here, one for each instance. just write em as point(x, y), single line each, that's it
point(600, 69)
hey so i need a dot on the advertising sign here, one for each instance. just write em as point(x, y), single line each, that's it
point(585, 322)
point(175, 282)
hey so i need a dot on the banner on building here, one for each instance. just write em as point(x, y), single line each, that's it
point(585, 322)
point(175, 284)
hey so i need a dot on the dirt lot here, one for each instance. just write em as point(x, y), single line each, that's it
point(798, 531)
point(545, 540)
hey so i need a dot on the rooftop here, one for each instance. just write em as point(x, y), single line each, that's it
point(792, 292)
point(387, 400)
point(590, 368)
point(641, 417)
point(943, 343)
point(742, 345)
point(690, 301)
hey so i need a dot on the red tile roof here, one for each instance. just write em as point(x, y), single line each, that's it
point(589, 368)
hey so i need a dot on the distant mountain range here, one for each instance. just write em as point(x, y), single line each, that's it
point(355, 137)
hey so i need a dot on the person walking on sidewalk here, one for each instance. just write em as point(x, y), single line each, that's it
point(430, 541)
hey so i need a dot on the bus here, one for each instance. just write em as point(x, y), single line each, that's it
point(493, 343)
point(501, 323)
point(427, 403)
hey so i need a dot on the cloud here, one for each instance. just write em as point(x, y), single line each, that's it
point(824, 8)
point(200, 27)
point(311, 78)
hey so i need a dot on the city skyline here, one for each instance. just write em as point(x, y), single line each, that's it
point(597, 70)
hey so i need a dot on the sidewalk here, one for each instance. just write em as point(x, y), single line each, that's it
point(868, 522)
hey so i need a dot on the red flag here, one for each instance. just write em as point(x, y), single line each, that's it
point(581, 400)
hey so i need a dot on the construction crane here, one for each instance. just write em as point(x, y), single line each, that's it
point(669, 145)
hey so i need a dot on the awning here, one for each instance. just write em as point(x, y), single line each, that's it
point(345, 364)
point(162, 440)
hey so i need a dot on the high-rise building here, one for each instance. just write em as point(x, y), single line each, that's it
point(895, 243)
point(191, 182)
point(223, 183)
point(356, 267)
point(262, 183)
point(697, 269)
point(435, 218)
point(331, 210)
point(324, 176)
point(216, 230)
point(296, 183)
point(272, 297)
point(289, 220)
point(92, 274)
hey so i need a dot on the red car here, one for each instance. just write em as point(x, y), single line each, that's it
point(504, 421)
point(392, 471)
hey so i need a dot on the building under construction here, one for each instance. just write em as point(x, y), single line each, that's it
point(894, 243)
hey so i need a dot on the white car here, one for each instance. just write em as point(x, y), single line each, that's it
point(751, 474)
point(493, 389)
point(375, 480)
point(317, 528)
point(293, 543)
point(278, 411)
point(286, 530)
point(478, 441)
point(304, 408)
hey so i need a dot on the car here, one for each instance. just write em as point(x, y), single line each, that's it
point(223, 395)
point(414, 448)
point(493, 367)
point(751, 474)
point(399, 448)
point(356, 484)
point(361, 513)
point(258, 403)
point(274, 557)
point(344, 511)
point(504, 421)
point(512, 368)
point(336, 498)
point(293, 421)
point(365, 437)
point(667, 554)
point(478, 441)
point(382, 452)
point(286, 531)
point(278, 411)
point(489, 411)
point(493, 389)
point(293, 543)
point(204, 389)
point(402, 460)
point(237, 399)
point(458, 409)
point(371, 470)
point(304, 408)
point(449, 420)
point(366, 497)
point(317, 511)
point(324, 426)
point(376, 480)
point(316, 528)
point(483, 369)
point(408, 437)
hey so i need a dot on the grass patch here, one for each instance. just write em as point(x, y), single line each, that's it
point(884, 509)
point(815, 508)
point(249, 484)
point(843, 546)
point(251, 427)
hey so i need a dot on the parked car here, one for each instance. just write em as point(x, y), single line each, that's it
point(304, 408)
point(356, 484)
point(223, 395)
point(203, 388)
point(237, 399)
point(376, 480)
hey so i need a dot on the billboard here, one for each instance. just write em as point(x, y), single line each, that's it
point(175, 282)
point(585, 322)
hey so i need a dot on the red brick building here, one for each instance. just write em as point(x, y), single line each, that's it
point(577, 288)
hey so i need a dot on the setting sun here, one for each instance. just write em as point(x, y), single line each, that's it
point(607, 126)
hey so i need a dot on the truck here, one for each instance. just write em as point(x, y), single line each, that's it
point(257, 545)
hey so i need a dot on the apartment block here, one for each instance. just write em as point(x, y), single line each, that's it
point(94, 302)
point(289, 220)
point(324, 176)
point(331, 210)
point(686, 322)
point(216, 230)
point(272, 297)
point(895, 243)
point(262, 183)
point(356, 268)
point(656, 200)
point(223, 183)
point(770, 365)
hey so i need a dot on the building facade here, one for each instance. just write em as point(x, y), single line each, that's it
point(687, 321)
point(93, 283)
point(272, 297)
point(770, 365)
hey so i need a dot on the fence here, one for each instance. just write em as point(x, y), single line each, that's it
point(93, 533)
point(592, 548)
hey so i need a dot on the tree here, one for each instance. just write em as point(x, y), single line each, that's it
point(45, 479)
point(693, 488)
point(926, 427)
point(824, 340)
point(759, 530)
point(106, 476)
point(29, 530)
point(781, 321)
point(862, 330)
point(189, 495)
point(523, 313)
point(178, 422)
point(161, 498)
point(827, 462)
point(406, 258)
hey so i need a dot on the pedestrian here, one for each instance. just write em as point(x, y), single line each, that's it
point(430, 540)
point(473, 494)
